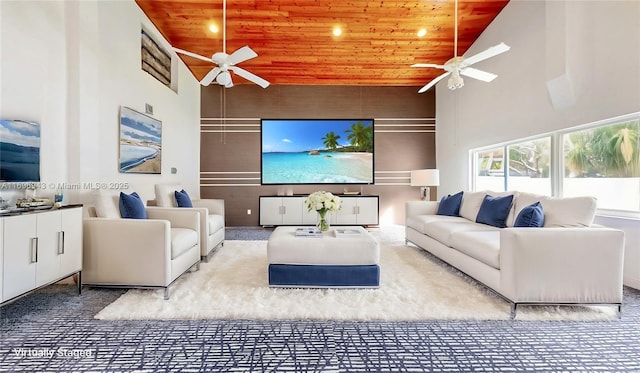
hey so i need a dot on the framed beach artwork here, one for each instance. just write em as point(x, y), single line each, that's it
point(140, 142)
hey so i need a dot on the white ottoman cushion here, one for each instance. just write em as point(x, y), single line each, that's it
point(284, 247)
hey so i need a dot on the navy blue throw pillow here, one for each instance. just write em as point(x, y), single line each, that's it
point(450, 205)
point(531, 216)
point(182, 199)
point(495, 210)
point(131, 206)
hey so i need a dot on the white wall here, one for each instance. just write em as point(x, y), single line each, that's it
point(589, 49)
point(70, 65)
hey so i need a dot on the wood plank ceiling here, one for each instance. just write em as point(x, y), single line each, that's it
point(295, 44)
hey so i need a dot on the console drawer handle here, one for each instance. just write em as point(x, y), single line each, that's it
point(61, 242)
point(33, 246)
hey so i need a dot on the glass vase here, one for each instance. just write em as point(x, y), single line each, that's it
point(323, 223)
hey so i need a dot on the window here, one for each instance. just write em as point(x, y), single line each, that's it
point(604, 162)
point(599, 159)
point(489, 167)
point(530, 166)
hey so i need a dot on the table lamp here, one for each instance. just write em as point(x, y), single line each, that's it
point(425, 179)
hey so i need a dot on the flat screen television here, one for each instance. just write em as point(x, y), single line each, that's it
point(19, 151)
point(317, 151)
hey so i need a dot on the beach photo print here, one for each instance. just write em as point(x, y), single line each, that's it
point(140, 142)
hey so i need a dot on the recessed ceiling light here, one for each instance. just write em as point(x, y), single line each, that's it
point(337, 31)
point(213, 28)
point(422, 32)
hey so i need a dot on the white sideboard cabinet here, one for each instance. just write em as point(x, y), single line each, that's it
point(291, 210)
point(357, 211)
point(281, 210)
point(39, 248)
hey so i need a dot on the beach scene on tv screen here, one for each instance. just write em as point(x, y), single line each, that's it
point(19, 150)
point(317, 151)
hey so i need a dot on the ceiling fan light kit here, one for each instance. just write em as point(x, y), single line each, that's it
point(457, 66)
point(227, 62)
point(224, 78)
point(455, 81)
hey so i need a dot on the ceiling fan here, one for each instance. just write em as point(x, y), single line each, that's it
point(227, 62)
point(457, 66)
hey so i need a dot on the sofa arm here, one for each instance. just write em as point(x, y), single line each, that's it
point(215, 206)
point(562, 265)
point(126, 252)
point(177, 217)
point(414, 208)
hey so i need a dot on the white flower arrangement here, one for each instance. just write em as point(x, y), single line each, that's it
point(322, 202)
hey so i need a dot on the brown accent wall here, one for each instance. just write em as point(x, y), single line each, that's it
point(404, 140)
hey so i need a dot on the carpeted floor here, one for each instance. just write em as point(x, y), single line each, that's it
point(54, 330)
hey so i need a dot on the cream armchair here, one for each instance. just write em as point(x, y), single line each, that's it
point(212, 225)
point(140, 253)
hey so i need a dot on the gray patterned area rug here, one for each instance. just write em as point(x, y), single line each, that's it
point(414, 286)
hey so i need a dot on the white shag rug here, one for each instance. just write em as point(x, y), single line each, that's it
point(234, 285)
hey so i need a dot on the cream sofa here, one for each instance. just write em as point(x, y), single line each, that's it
point(566, 261)
point(212, 225)
point(137, 253)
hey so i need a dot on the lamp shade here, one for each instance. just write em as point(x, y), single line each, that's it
point(425, 177)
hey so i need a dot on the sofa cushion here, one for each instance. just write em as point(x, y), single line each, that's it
point(450, 205)
point(470, 206)
point(216, 222)
point(165, 196)
point(495, 210)
point(182, 198)
point(443, 229)
point(419, 222)
point(561, 212)
point(182, 239)
point(531, 216)
point(131, 206)
point(480, 245)
point(106, 204)
point(569, 212)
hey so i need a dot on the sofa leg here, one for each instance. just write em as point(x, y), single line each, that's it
point(79, 282)
point(166, 293)
point(513, 311)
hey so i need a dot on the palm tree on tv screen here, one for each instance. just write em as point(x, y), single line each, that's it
point(330, 140)
point(361, 137)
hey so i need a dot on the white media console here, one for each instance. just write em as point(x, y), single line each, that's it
point(291, 210)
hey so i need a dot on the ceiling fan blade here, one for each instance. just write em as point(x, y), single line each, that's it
point(210, 76)
point(488, 53)
point(249, 76)
point(194, 55)
point(478, 74)
point(241, 55)
point(436, 66)
point(433, 82)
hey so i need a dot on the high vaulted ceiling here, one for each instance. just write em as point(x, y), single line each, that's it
point(295, 44)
